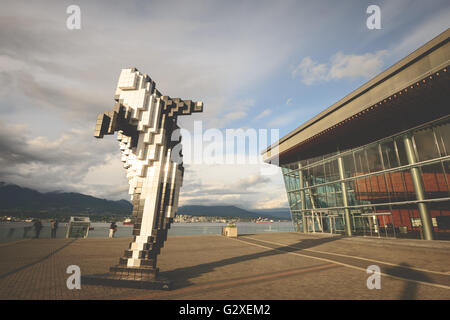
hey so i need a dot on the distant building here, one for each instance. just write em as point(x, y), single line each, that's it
point(377, 162)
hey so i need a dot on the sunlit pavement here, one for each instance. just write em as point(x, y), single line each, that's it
point(261, 266)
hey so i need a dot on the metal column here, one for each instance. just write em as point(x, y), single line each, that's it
point(427, 223)
point(302, 197)
point(348, 227)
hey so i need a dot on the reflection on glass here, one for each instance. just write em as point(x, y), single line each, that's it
point(389, 154)
point(401, 151)
point(434, 181)
point(425, 143)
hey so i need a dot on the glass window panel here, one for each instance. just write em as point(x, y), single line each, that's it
point(443, 137)
point(410, 191)
point(291, 197)
point(349, 165)
point(309, 177)
point(383, 190)
point(389, 155)
point(313, 198)
point(351, 198)
point(373, 158)
point(332, 171)
point(329, 188)
point(295, 199)
point(434, 183)
point(289, 182)
point(396, 181)
point(426, 146)
point(360, 189)
point(390, 188)
point(305, 177)
point(308, 200)
point(297, 203)
point(361, 163)
point(322, 200)
point(440, 214)
point(292, 200)
point(401, 152)
point(377, 187)
point(350, 185)
point(286, 182)
point(446, 167)
point(338, 192)
point(318, 173)
point(331, 196)
point(369, 188)
point(297, 180)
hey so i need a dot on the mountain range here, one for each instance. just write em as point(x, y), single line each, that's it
point(233, 211)
point(25, 202)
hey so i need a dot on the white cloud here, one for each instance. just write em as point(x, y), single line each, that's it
point(340, 66)
point(239, 185)
point(310, 71)
point(8, 64)
point(263, 114)
point(234, 115)
point(252, 180)
point(289, 101)
point(230, 112)
point(354, 66)
point(59, 164)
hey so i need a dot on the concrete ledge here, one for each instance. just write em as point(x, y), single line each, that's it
point(159, 283)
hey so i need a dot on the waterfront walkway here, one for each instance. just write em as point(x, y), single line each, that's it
point(260, 266)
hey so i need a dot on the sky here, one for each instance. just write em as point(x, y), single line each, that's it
point(258, 65)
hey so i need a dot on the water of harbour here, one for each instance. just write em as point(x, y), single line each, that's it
point(21, 230)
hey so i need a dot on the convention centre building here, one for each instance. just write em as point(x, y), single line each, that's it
point(377, 162)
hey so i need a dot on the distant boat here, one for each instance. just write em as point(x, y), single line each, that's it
point(128, 222)
point(264, 221)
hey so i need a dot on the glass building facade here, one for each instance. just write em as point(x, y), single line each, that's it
point(392, 187)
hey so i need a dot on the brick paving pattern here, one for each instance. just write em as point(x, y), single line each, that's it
point(262, 266)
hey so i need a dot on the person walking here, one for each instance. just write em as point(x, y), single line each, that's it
point(37, 228)
point(112, 229)
point(54, 227)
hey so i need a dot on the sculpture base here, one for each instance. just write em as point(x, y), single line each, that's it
point(123, 277)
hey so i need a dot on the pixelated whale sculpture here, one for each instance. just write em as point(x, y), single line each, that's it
point(145, 122)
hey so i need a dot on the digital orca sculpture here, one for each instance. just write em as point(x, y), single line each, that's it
point(145, 122)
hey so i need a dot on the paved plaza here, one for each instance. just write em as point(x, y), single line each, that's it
point(260, 266)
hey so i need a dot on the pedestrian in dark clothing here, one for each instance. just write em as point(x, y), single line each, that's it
point(37, 228)
point(112, 229)
point(54, 227)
